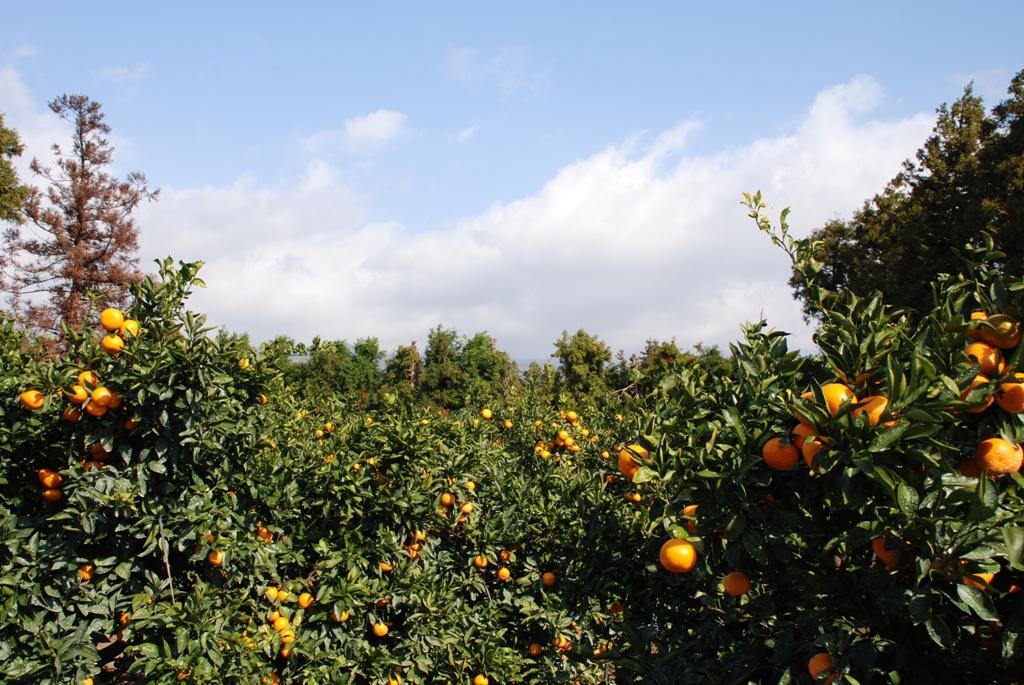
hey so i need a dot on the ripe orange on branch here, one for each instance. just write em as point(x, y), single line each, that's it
point(821, 664)
point(836, 394)
point(628, 459)
point(32, 399)
point(678, 556)
point(736, 584)
point(989, 359)
point(780, 454)
point(998, 457)
point(111, 319)
point(1010, 396)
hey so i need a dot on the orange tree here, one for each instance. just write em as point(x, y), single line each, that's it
point(881, 536)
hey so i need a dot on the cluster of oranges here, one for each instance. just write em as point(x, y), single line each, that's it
point(118, 330)
point(783, 453)
point(87, 394)
point(278, 617)
point(51, 482)
point(989, 339)
point(563, 440)
point(90, 395)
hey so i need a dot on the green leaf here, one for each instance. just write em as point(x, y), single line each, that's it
point(1013, 536)
point(977, 601)
point(939, 632)
point(907, 498)
point(885, 438)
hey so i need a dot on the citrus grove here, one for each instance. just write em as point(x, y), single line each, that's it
point(172, 510)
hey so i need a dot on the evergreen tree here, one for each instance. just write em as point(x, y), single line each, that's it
point(967, 177)
point(80, 240)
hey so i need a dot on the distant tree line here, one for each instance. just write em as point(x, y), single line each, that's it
point(454, 371)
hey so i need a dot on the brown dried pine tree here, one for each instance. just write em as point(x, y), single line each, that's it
point(79, 240)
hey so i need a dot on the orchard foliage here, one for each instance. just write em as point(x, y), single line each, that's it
point(224, 515)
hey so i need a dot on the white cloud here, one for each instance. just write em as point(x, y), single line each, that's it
point(359, 134)
point(510, 68)
point(635, 241)
point(465, 134)
point(37, 127)
point(125, 75)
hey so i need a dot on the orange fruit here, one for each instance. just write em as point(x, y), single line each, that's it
point(480, 561)
point(85, 572)
point(243, 364)
point(504, 574)
point(130, 327)
point(486, 414)
point(93, 409)
point(262, 399)
point(339, 618)
point(802, 431)
point(287, 635)
point(549, 579)
point(628, 457)
point(811, 448)
point(998, 457)
point(52, 495)
point(562, 644)
point(386, 566)
point(736, 583)
point(280, 623)
point(890, 558)
point(780, 454)
point(874, 406)
point(305, 600)
point(380, 629)
point(974, 580)
point(1005, 334)
point(50, 479)
point(677, 556)
point(32, 399)
point(1010, 396)
point(447, 499)
point(78, 394)
point(507, 423)
point(263, 533)
point(111, 318)
point(978, 381)
point(466, 507)
point(975, 332)
point(102, 396)
point(112, 344)
point(535, 649)
point(617, 607)
point(88, 378)
point(819, 664)
point(691, 510)
point(131, 424)
point(989, 359)
point(634, 497)
point(72, 414)
point(215, 557)
point(480, 679)
point(836, 394)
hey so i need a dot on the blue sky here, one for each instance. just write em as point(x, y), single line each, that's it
point(484, 138)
